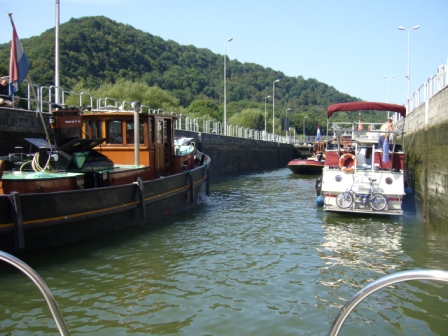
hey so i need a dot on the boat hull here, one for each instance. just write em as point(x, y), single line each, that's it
point(44, 220)
point(306, 167)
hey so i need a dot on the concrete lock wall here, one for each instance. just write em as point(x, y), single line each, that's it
point(17, 124)
point(426, 143)
point(232, 156)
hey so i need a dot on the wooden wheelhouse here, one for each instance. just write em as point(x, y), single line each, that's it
point(156, 138)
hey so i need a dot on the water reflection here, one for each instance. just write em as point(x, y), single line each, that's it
point(360, 243)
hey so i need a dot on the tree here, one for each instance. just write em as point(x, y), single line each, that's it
point(248, 118)
point(125, 90)
point(204, 107)
point(100, 52)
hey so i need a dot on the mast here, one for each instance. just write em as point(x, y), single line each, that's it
point(56, 53)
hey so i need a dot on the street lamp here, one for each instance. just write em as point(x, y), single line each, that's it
point(273, 106)
point(265, 99)
point(388, 91)
point(287, 123)
point(225, 75)
point(409, 62)
point(304, 128)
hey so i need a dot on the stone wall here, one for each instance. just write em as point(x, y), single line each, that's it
point(426, 143)
point(233, 156)
point(17, 124)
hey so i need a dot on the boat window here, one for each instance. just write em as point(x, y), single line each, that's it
point(93, 129)
point(130, 132)
point(150, 131)
point(159, 131)
point(114, 132)
point(165, 132)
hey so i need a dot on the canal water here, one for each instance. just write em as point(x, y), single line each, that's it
point(256, 258)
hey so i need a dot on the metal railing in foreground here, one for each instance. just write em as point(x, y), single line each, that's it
point(31, 274)
point(380, 283)
point(334, 330)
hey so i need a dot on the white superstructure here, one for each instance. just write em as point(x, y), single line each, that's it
point(353, 160)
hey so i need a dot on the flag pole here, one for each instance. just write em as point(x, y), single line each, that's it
point(19, 70)
point(56, 53)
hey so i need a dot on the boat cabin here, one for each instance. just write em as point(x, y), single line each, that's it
point(117, 129)
point(94, 149)
point(352, 149)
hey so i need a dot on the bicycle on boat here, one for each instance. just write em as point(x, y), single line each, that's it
point(375, 201)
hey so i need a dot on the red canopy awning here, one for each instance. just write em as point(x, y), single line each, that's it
point(357, 106)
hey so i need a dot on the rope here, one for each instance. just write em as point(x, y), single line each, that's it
point(36, 166)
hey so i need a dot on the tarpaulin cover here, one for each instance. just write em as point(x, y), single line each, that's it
point(373, 106)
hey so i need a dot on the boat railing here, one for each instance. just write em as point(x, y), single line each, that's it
point(103, 103)
point(50, 95)
point(378, 284)
point(350, 305)
point(368, 132)
point(33, 276)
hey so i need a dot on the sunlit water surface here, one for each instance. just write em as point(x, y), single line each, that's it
point(256, 258)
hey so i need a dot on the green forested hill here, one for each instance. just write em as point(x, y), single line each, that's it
point(97, 50)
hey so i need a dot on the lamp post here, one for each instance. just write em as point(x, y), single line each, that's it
point(304, 128)
point(225, 93)
point(388, 91)
point(265, 114)
point(287, 123)
point(409, 62)
point(273, 106)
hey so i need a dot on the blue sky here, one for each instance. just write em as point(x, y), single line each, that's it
point(348, 44)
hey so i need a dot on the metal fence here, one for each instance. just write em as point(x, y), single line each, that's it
point(48, 96)
point(433, 85)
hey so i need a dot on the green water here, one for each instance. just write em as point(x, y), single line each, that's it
point(256, 258)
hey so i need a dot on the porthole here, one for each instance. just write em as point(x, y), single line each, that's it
point(338, 178)
point(389, 180)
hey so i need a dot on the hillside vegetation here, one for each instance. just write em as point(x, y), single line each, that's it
point(97, 53)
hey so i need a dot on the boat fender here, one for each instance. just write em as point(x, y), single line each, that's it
point(345, 157)
point(320, 201)
point(318, 186)
point(409, 191)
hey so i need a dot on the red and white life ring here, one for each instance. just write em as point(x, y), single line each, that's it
point(344, 166)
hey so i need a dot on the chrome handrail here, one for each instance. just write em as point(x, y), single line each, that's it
point(31, 274)
point(335, 328)
point(378, 284)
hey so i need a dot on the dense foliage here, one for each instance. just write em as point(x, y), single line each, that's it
point(96, 53)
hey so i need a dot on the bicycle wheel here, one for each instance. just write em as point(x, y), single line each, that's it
point(378, 202)
point(344, 200)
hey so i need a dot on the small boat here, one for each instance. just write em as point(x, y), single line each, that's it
point(94, 178)
point(359, 177)
point(311, 165)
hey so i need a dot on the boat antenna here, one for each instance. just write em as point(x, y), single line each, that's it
point(56, 54)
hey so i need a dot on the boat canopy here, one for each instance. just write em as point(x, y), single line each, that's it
point(356, 106)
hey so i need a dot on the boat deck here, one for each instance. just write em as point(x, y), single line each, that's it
point(332, 208)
